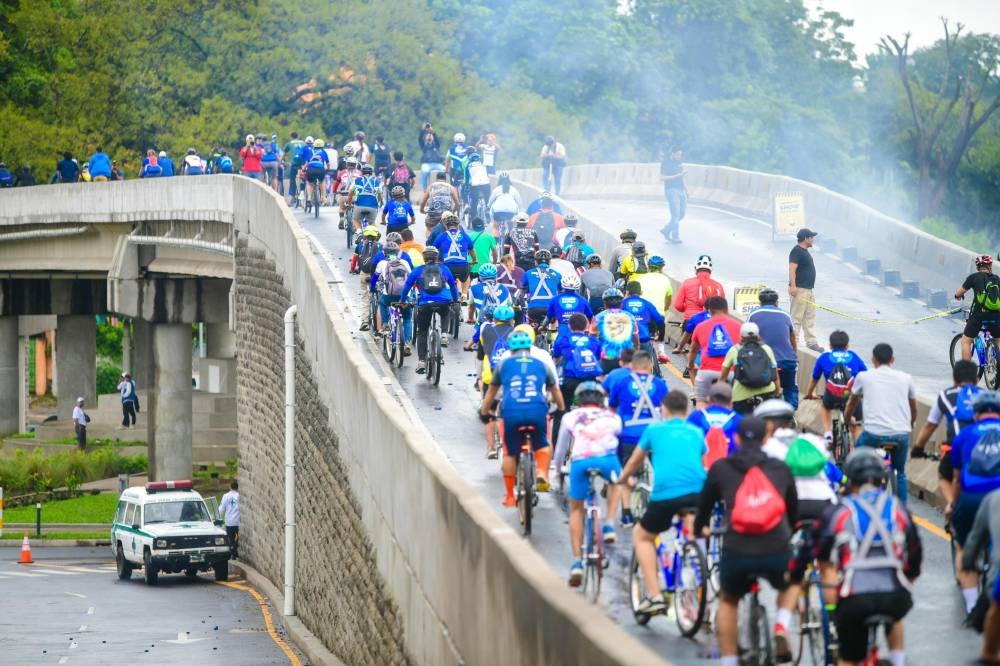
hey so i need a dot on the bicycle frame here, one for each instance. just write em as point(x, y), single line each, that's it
point(526, 496)
point(593, 541)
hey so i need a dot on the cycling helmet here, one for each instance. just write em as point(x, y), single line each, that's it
point(546, 196)
point(518, 340)
point(459, 137)
point(628, 234)
point(527, 329)
point(348, 150)
point(431, 254)
point(488, 272)
point(502, 312)
point(704, 263)
point(309, 140)
point(367, 169)
point(398, 191)
point(450, 220)
point(504, 177)
point(371, 232)
point(638, 248)
point(613, 297)
point(543, 257)
point(318, 143)
point(776, 409)
point(984, 260)
point(556, 251)
point(351, 161)
point(594, 260)
point(656, 261)
point(986, 401)
point(571, 219)
point(767, 296)
point(521, 219)
point(590, 393)
point(570, 281)
point(448, 215)
point(864, 465)
point(474, 157)
point(394, 237)
point(391, 247)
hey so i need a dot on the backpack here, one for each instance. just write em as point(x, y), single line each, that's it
point(984, 459)
point(874, 548)
point(394, 276)
point(432, 279)
point(639, 264)
point(401, 175)
point(226, 164)
point(717, 442)
point(382, 156)
point(839, 383)
point(804, 458)
point(719, 341)
point(753, 365)
point(499, 347)
point(316, 160)
point(366, 258)
point(153, 169)
point(957, 406)
point(574, 255)
point(989, 297)
point(758, 506)
point(545, 227)
point(440, 198)
point(585, 361)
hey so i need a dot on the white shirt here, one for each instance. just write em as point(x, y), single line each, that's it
point(79, 416)
point(806, 487)
point(193, 161)
point(505, 202)
point(229, 508)
point(887, 393)
point(563, 267)
point(489, 154)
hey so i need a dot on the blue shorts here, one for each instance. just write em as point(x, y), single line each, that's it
point(996, 591)
point(608, 466)
point(513, 420)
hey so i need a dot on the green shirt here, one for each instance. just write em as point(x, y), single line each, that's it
point(741, 392)
point(483, 243)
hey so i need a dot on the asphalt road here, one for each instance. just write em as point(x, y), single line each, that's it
point(449, 413)
point(70, 608)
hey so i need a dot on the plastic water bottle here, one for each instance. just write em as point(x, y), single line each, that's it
point(979, 345)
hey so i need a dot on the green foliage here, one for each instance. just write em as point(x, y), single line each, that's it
point(109, 341)
point(36, 472)
point(83, 509)
point(108, 375)
point(944, 228)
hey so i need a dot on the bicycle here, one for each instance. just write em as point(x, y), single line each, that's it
point(526, 496)
point(984, 354)
point(347, 219)
point(842, 442)
point(392, 336)
point(594, 560)
point(873, 623)
point(815, 624)
point(316, 197)
point(640, 492)
point(434, 356)
point(682, 575)
point(372, 316)
point(757, 648)
point(454, 321)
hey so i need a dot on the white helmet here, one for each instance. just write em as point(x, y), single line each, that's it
point(250, 137)
point(349, 149)
point(570, 281)
point(704, 263)
point(521, 218)
point(309, 139)
point(459, 138)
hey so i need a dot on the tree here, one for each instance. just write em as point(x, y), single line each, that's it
point(946, 114)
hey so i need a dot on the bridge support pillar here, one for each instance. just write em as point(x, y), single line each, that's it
point(76, 362)
point(218, 368)
point(10, 388)
point(170, 448)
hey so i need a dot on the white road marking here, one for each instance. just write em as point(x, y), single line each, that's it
point(183, 639)
point(21, 574)
point(732, 214)
point(63, 660)
point(74, 645)
point(83, 627)
point(56, 572)
point(76, 594)
point(90, 611)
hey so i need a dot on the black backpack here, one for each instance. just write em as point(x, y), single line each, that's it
point(574, 255)
point(545, 227)
point(366, 260)
point(753, 365)
point(432, 280)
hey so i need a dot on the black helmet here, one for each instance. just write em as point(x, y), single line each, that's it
point(638, 248)
point(543, 257)
point(367, 168)
point(556, 251)
point(986, 401)
point(594, 260)
point(628, 234)
point(864, 465)
point(590, 393)
point(767, 296)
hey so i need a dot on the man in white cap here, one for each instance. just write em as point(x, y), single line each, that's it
point(80, 421)
point(130, 400)
point(754, 369)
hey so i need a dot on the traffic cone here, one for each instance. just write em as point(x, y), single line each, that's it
point(26, 551)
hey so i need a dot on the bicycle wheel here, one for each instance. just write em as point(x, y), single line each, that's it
point(372, 314)
point(436, 354)
point(316, 200)
point(637, 588)
point(841, 441)
point(990, 370)
point(690, 595)
point(593, 558)
point(762, 651)
point(349, 226)
point(811, 635)
point(955, 349)
point(640, 495)
point(398, 342)
point(526, 490)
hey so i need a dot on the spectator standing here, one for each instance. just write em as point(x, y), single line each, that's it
point(381, 156)
point(360, 148)
point(100, 166)
point(26, 178)
point(6, 177)
point(553, 158)
point(672, 174)
point(251, 154)
point(430, 153)
point(229, 511)
point(489, 149)
point(801, 282)
point(80, 421)
point(778, 332)
point(130, 400)
point(166, 164)
point(67, 170)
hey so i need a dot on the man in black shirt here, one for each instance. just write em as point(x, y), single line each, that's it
point(801, 281)
point(672, 174)
point(985, 309)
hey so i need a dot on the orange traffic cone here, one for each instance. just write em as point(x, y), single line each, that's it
point(26, 551)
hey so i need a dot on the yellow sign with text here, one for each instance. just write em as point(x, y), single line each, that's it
point(789, 214)
point(745, 300)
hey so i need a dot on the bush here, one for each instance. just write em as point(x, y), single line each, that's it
point(108, 374)
point(36, 472)
point(109, 341)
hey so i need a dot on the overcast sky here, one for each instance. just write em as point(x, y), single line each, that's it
point(921, 18)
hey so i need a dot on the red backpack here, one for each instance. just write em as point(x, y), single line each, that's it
point(758, 506)
point(401, 174)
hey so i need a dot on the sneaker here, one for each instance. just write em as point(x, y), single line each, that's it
point(509, 501)
point(340, 225)
point(686, 373)
point(816, 348)
point(364, 326)
point(407, 351)
point(651, 606)
point(541, 485)
point(782, 651)
point(608, 532)
point(444, 340)
point(492, 453)
point(421, 367)
point(576, 574)
point(626, 521)
point(828, 436)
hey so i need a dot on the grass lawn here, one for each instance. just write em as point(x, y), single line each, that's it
point(10, 535)
point(85, 509)
point(91, 443)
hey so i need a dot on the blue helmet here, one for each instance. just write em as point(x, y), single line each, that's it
point(503, 313)
point(488, 272)
point(986, 401)
point(657, 261)
point(518, 340)
point(474, 157)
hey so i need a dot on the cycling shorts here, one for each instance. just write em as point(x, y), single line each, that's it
point(536, 315)
point(607, 465)
point(832, 403)
point(270, 168)
point(659, 515)
point(518, 417)
point(974, 324)
point(946, 468)
point(737, 571)
point(852, 613)
point(366, 212)
point(964, 515)
point(625, 450)
point(315, 174)
point(459, 271)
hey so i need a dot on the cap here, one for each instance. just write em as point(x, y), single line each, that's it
point(749, 330)
point(163, 153)
point(751, 430)
point(720, 391)
point(80, 399)
point(805, 233)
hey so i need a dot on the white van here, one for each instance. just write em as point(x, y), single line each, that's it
point(167, 526)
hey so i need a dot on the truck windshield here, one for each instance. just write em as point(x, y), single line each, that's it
point(176, 512)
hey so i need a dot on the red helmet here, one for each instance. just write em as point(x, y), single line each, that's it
point(984, 261)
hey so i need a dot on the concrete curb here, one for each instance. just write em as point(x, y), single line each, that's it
point(304, 639)
point(57, 543)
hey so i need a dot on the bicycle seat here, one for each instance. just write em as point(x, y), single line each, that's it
point(594, 472)
point(879, 621)
point(526, 429)
point(687, 511)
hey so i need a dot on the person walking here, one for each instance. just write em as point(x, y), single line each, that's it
point(430, 154)
point(229, 511)
point(553, 158)
point(801, 282)
point(672, 174)
point(130, 400)
point(80, 421)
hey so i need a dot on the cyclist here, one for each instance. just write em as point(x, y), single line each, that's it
point(985, 309)
point(388, 281)
point(269, 161)
point(536, 205)
point(693, 294)
point(712, 338)
point(365, 197)
point(635, 263)
point(487, 295)
point(985, 532)
point(579, 354)
point(437, 293)
point(596, 280)
point(524, 381)
point(890, 410)
point(560, 265)
point(484, 243)
point(589, 433)
point(365, 259)
point(718, 422)
point(675, 449)
point(346, 178)
point(621, 251)
point(975, 454)
point(456, 251)
point(838, 367)
point(778, 332)
point(577, 250)
point(291, 154)
point(651, 323)
point(754, 369)
point(504, 203)
point(541, 284)
point(620, 371)
point(567, 303)
point(492, 345)
point(455, 163)
point(656, 287)
point(381, 157)
point(332, 165)
point(398, 212)
point(193, 165)
point(565, 235)
point(401, 175)
point(870, 553)
point(615, 328)
point(636, 399)
point(315, 163)
point(439, 198)
point(479, 183)
point(412, 248)
point(761, 509)
point(521, 242)
point(546, 221)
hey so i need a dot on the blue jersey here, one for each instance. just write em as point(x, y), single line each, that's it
point(637, 399)
point(827, 361)
point(314, 158)
point(693, 322)
point(541, 284)
point(489, 295)
point(613, 377)
point(456, 156)
point(644, 313)
point(979, 463)
point(447, 295)
point(716, 416)
point(675, 450)
point(398, 214)
point(366, 191)
point(564, 306)
point(454, 246)
point(581, 355)
point(524, 380)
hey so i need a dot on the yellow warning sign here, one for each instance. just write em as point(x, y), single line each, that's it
point(745, 300)
point(789, 214)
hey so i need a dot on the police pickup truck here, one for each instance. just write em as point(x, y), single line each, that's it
point(167, 527)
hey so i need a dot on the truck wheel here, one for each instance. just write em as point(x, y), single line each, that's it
point(221, 571)
point(124, 566)
point(149, 569)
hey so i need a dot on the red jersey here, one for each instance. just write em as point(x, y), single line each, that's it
point(693, 292)
point(702, 334)
point(251, 158)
